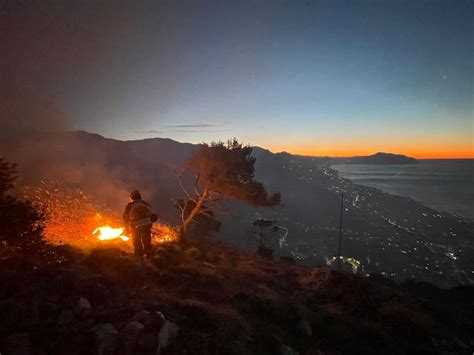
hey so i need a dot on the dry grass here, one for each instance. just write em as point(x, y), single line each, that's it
point(72, 216)
point(228, 301)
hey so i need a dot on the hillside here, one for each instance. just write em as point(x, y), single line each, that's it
point(207, 298)
point(383, 233)
point(378, 158)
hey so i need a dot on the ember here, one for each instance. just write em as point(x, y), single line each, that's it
point(74, 217)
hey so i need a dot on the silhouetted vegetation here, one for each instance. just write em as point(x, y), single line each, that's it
point(20, 223)
point(224, 301)
point(221, 169)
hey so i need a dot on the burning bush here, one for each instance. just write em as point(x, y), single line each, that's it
point(73, 217)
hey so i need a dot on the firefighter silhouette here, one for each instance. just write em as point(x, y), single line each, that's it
point(138, 218)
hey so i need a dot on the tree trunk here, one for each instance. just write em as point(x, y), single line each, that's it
point(192, 214)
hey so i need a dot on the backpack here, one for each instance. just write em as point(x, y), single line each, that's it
point(139, 210)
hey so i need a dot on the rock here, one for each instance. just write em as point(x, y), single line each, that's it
point(305, 327)
point(106, 337)
point(65, 317)
point(128, 337)
point(286, 350)
point(95, 290)
point(83, 307)
point(167, 336)
point(157, 321)
point(17, 344)
point(117, 316)
point(143, 317)
point(460, 344)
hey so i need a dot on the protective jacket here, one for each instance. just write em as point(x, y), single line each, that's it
point(137, 213)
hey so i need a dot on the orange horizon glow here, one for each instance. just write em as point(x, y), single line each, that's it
point(420, 151)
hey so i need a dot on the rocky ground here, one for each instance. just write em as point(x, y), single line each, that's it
point(207, 298)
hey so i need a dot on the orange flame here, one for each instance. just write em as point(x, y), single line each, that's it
point(109, 233)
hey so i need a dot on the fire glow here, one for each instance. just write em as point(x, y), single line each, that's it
point(109, 233)
point(75, 218)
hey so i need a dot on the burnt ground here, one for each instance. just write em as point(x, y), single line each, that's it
point(204, 297)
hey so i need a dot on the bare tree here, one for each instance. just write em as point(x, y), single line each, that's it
point(220, 169)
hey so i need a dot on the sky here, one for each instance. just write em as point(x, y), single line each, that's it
point(332, 78)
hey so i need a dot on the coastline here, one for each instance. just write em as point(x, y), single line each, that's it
point(443, 190)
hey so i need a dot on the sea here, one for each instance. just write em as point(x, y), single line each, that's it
point(444, 184)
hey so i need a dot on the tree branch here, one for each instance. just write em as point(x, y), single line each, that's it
point(180, 182)
point(177, 204)
point(183, 211)
point(196, 185)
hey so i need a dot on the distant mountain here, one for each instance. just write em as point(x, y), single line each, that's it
point(382, 233)
point(378, 158)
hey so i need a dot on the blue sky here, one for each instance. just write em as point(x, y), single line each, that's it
point(311, 77)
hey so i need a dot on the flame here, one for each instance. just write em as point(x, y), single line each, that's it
point(71, 215)
point(109, 233)
point(164, 238)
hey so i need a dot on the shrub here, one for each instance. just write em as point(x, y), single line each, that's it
point(20, 223)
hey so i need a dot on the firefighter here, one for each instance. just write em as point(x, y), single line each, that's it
point(138, 219)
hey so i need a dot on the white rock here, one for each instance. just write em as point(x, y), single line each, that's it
point(305, 326)
point(83, 304)
point(129, 336)
point(106, 338)
point(142, 316)
point(286, 350)
point(168, 334)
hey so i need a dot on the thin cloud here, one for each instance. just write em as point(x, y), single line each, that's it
point(186, 128)
point(197, 131)
point(147, 132)
point(198, 125)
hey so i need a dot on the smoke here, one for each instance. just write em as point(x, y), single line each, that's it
point(33, 134)
point(21, 109)
point(66, 158)
point(47, 48)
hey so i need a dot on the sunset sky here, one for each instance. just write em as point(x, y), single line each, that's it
point(335, 78)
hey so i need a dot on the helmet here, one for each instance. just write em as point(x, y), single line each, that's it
point(135, 195)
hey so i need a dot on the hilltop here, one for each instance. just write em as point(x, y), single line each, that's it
point(383, 233)
point(204, 297)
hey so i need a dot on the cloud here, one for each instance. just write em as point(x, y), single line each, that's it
point(198, 125)
point(186, 128)
point(147, 132)
point(197, 131)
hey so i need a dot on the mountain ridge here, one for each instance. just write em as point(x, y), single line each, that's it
point(378, 157)
point(377, 226)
